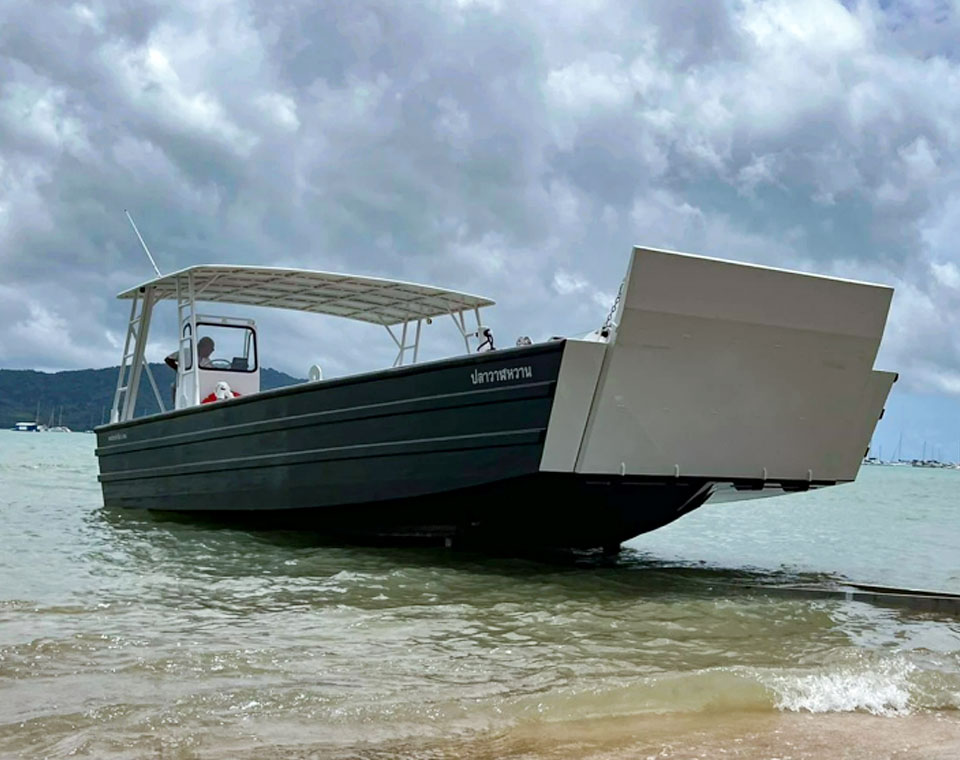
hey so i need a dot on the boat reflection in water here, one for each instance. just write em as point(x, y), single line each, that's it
point(712, 380)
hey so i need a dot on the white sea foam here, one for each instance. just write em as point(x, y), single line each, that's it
point(884, 691)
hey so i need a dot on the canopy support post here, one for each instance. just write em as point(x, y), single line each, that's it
point(125, 359)
point(399, 344)
point(187, 318)
point(138, 331)
point(416, 341)
point(153, 384)
point(402, 345)
point(461, 328)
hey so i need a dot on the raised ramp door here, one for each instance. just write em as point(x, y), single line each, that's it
point(732, 371)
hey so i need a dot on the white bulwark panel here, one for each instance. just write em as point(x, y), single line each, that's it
point(576, 384)
point(727, 370)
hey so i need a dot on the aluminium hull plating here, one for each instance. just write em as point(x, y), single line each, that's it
point(450, 448)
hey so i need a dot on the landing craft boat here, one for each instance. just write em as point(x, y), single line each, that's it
point(711, 381)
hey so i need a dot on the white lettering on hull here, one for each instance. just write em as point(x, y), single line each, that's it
point(501, 375)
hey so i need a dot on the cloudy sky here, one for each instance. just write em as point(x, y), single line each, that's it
point(511, 149)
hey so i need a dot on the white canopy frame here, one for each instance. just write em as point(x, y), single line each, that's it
point(133, 362)
point(389, 303)
point(365, 299)
point(459, 320)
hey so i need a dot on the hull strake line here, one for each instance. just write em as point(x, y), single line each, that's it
point(354, 451)
point(363, 411)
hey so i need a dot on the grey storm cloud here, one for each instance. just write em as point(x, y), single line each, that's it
point(511, 149)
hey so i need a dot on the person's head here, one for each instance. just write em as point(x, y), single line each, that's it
point(204, 347)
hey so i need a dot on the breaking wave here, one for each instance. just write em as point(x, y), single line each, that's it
point(894, 687)
point(886, 691)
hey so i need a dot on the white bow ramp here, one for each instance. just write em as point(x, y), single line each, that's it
point(727, 371)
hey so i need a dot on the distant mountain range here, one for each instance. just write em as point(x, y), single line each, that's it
point(83, 398)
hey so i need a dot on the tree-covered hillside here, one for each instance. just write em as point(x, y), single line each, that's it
point(84, 397)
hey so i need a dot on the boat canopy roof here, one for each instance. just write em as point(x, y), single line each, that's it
point(367, 299)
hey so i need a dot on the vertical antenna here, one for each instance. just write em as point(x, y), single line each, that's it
point(140, 238)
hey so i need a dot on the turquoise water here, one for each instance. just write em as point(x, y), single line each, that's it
point(127, 636)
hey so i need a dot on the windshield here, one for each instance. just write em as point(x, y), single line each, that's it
point(230, 348)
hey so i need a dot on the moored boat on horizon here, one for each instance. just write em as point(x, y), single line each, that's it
point(713, 380)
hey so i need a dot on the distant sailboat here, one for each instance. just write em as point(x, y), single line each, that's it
point(898, 457)
point(59, 427)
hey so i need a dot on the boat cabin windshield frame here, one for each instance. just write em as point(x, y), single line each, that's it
point(400, 307)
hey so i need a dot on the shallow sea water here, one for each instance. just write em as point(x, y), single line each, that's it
point(128, 636)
